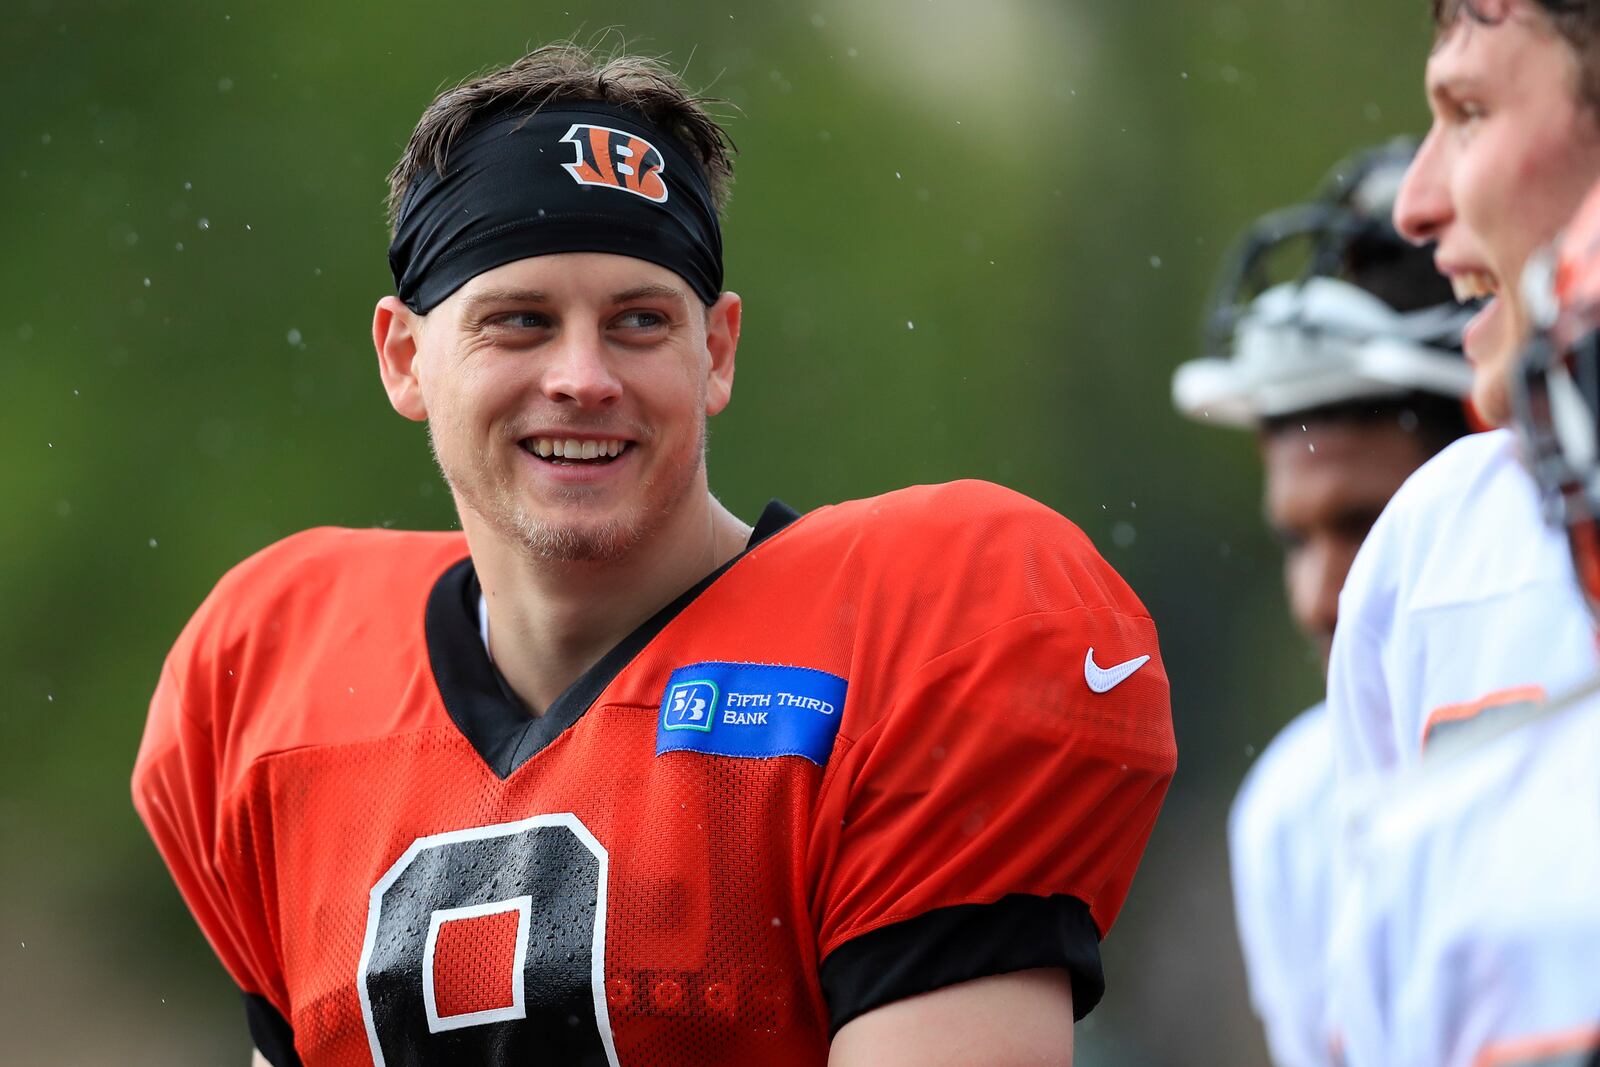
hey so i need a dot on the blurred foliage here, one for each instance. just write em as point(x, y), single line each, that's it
point(973, 240)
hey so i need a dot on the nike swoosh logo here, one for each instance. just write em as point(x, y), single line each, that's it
point(1106, 679)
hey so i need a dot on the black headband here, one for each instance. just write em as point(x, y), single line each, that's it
point(586, 178)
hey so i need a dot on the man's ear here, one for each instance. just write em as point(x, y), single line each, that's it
point(722, 343)
point(396, 332)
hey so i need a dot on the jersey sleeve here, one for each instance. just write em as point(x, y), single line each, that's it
point(179, 792)
point(991, 819)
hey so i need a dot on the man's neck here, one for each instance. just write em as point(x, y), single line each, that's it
point(551, 620)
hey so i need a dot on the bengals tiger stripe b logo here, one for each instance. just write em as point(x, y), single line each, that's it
point(616, 159)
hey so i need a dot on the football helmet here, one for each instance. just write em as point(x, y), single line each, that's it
point(1556, 390)
point(1325, 303)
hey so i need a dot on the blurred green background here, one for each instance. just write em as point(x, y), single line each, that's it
point(973, 240)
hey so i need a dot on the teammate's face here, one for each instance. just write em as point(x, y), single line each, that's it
point(1325, 486)
point(566, 398)
point(1510, 154)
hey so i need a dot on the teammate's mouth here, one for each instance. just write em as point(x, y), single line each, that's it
point(1476, 287)
point(569, 451)
point(1470, 285)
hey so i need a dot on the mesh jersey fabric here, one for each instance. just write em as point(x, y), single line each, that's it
point(361, 867)
point(1281, 831)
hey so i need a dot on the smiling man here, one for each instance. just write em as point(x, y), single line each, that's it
point(1452, 944)
point(611, 777)
point(1447, 611)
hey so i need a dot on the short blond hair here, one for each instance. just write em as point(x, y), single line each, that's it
point(567, 73)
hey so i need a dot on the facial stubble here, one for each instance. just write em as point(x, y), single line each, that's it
point(490, 491)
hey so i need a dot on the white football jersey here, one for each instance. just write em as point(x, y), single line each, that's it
point(1280, 843)
point(1467, 883)
point(1468, 925)
point(1460, 600)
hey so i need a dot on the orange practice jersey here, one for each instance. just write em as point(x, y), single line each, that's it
point(862, 761)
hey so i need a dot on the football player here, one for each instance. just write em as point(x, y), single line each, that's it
point(1461, 608)
point(1461, 600)
point(1337, 342)
point(610, 776)
point(1470, 926)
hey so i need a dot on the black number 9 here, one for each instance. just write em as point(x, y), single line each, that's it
point(535, 996)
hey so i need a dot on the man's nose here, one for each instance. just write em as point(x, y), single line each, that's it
point(1422, 209)
point(580, 372)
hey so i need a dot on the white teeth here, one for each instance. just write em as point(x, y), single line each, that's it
point(572, 448)
point(1473, 285)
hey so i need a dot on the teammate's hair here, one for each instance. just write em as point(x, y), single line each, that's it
point(1434, 420)
point(569, 73)
point(1577, 21)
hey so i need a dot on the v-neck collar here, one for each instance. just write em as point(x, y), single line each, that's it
point(480, 701)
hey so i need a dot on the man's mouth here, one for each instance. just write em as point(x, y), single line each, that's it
point(564, 451)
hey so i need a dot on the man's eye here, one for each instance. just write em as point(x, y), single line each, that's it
point(641, 319)
point(520, 320)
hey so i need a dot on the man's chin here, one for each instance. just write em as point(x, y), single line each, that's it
point(567, 541)
point(578, 543)
point(1491, 392)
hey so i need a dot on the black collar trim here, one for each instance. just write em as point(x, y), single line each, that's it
point(481, 703)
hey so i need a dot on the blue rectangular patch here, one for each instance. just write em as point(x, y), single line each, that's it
point(750, 710)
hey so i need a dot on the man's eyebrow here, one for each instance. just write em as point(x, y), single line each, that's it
point(648, 292)
point(492, 297)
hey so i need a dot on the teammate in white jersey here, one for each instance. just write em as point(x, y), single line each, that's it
point(1470, 918)
point(1339, 345)
point(1461, 939)
point(1460, 600)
